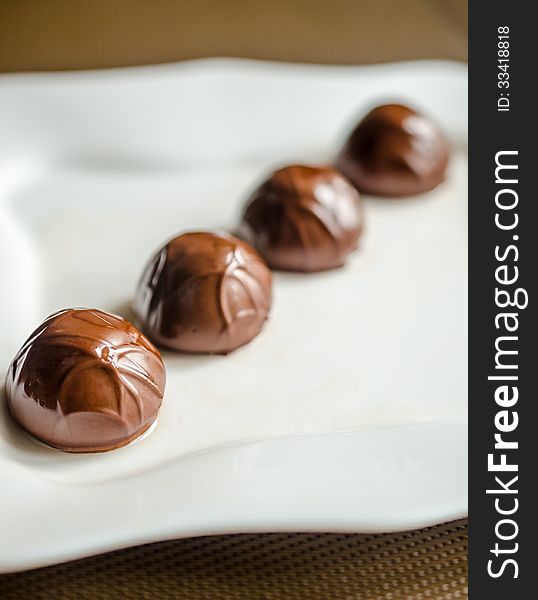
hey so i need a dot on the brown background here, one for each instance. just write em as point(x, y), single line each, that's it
point(429, 564)
point(74, 34)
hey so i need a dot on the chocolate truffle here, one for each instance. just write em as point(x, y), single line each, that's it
point(85, 381)
point(303, 218)
point(203, 292)
point(394, 151)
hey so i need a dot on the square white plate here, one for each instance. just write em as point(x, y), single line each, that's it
point(347, 413)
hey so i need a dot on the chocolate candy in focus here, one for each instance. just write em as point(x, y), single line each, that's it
point(394, 151)
point(303, 218)
point(86, 381)
point(204, 292)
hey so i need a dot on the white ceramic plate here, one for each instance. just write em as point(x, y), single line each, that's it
point(348, 413)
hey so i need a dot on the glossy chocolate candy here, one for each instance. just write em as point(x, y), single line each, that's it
point(203, 292)
point(394, 151)
point(303, 218)
point(85, 381)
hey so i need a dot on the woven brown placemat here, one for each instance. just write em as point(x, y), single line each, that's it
point(428, 563)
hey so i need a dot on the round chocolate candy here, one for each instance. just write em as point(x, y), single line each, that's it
point(85, 381)
point(303, 218)
point(394, 151)
point(203, 292)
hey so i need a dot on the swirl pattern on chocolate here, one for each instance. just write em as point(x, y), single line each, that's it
point(85, 381)
point(303, 218)
point(204, 292)
point(393, 152)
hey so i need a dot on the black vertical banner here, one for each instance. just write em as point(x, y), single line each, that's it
point(503, 259)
